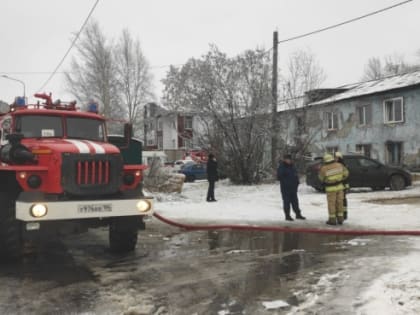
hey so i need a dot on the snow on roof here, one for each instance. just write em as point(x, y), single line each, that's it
point(372, 87)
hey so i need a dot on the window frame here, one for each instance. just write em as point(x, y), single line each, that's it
point(386, 121)
point(330, 118)
point(188, 118)
point(363, 146)
point(367, 109)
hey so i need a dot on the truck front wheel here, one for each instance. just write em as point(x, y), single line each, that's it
point(123, 235)
point(10, 229)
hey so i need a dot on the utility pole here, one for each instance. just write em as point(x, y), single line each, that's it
point(274, 99)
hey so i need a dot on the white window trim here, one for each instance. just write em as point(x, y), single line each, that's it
point(185, 123)
point(332, 118)
point(364, 108)
point(386, 121)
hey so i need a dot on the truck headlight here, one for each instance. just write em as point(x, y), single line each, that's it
point(38, 210)
point(144, 205)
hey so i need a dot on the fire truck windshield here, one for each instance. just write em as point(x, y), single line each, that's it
point(37, 126)
point(85, 128)
point(44, 126)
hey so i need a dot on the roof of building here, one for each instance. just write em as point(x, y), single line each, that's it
point(373, 87)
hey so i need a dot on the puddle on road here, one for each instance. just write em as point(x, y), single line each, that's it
point(396, 201)
point(52, 263)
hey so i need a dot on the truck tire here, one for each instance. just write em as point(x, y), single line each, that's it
point(11, 242)
point(397, 182)
point(123, 235)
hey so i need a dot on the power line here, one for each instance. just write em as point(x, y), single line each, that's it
point(63, 72)
point(71, 46)
point(340, 24)
point(176, 65)
point(344, 22)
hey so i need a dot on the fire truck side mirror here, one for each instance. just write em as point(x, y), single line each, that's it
point(128, 132)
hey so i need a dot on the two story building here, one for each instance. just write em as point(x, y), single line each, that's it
point(173, 131)
point(379, 118)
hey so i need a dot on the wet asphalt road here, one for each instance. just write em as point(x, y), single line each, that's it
point(173, 272)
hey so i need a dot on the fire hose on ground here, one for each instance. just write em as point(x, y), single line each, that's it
point(239, 227)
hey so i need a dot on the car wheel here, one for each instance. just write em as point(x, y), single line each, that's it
point(397, 182)
point(190, 178)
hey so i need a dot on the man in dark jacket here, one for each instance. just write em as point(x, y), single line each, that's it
point(212, 176)
point(289, 182)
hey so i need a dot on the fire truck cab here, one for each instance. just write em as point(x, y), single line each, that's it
point(59, 172)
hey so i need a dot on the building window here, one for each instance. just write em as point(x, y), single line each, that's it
point(159, 124)
point(332, 120)
point(364, 149)
point(150, 142)
point(364, 114)
point(393, 110)
point(394, 152)
point(332, 150)
point(188, 122)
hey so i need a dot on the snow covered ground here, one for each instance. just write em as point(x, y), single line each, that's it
point(394, 292)
point(262, 205)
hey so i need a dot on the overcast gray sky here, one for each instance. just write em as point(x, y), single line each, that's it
point(36, 34)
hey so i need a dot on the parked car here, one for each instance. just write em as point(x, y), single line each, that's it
point(193, 171)
point(179, 164)
point(364, 172)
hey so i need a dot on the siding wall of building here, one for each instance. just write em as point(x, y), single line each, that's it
point(350, 134)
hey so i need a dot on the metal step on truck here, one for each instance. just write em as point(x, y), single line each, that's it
point(60, 173)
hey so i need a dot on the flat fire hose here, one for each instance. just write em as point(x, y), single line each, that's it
point(239, 227)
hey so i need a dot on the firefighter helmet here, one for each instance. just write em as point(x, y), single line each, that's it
point(328, 158)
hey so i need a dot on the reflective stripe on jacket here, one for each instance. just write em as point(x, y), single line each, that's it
point(333, 175)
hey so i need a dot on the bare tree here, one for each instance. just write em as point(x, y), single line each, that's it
point(303, 73)
point(134, 79)
point(394, 64)
point(232, 96)
point(92, 72)
point(115, 74)
point(373, 69)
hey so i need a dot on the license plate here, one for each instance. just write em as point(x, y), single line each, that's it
point(95, 208)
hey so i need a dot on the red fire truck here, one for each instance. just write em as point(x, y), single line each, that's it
point(60, 172)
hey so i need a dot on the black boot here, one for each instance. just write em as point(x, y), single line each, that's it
point(345, 215)
point(331, 221)
point(289, 218)
point(299, 216)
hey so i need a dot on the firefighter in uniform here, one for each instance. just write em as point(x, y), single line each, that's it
point(339, 158)
point(332, 174)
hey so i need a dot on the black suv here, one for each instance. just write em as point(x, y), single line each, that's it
point(364, 172)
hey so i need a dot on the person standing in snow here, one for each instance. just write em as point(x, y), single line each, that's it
point(332, 174)
point(212, 177)
point(339, 158)
point(289, 182)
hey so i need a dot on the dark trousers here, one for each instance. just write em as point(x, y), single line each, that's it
point(290, 198)
point(210, 192)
